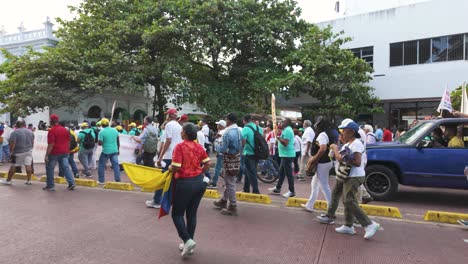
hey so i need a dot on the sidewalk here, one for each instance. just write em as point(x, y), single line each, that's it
point(103, 226)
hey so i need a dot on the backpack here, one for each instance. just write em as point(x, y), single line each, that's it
point(96, 133)
point(261, 150)
point(151, 143)
point(88, 142)
point(73, 143)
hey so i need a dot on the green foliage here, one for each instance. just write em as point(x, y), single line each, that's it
point(456, 96)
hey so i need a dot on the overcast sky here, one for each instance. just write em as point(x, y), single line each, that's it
point(34, 12)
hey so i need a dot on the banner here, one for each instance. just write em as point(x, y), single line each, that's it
point(445, 102)
point(40, 146)
point(127, 149)
point(464, 100)
point(273, 111)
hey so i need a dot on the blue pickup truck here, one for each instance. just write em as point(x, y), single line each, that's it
point(417, 159)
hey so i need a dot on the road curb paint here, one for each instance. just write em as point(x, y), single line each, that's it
point(444, 217)
point(296, 202)
point(148, 190)
point(22, 176)
point(123, 186)
point(3, 174)
point(58, 180)
point(86, 182)
point(211, 194)
point(377, 210)
point(253, 197)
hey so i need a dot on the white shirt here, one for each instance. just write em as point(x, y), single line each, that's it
point(219, 140)
point(370, 138)
point(201, 138)
point(363, 139)
point(323, 139)
point(308, 136)
point(206, 131)
point(357, 147)
point(172, 130)
point(6, 134)
point(297, 143)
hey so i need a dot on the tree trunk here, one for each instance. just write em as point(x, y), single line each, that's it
point(159, 101)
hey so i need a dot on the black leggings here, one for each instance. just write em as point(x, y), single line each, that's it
point(296, 162)
point(187, 196)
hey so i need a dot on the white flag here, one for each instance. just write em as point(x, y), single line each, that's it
point(445, 102)
point(464, 101)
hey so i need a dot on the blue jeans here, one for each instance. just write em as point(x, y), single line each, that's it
point(62, 160)
point(85, 156)
point(71, 162)
point(114, 159)
point(158, 193)
point(6, 152)
point(218, 168)
point(250, 164)
point(285, 170)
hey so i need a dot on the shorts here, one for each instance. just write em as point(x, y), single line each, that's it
point(21, 159)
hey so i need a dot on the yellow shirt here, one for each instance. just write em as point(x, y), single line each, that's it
point(456, 142)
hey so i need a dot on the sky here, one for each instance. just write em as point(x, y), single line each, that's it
point(33, 13)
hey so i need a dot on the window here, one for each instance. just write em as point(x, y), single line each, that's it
point(410, 52)
point(439, 49)
point(424, 51)
point(455, 47)
point(396, 54)
point(366, 53)
point(94, 112)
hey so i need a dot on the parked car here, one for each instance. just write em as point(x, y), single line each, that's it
point(415, 159)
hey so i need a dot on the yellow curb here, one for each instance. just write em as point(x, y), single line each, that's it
point(444, 217)
point(86, 182)
point(149, 190)
point(22, 176)
point(3, 174)
point(59, 180)
point(211, 194)
point(253, 197)
point(377, 210)
point(123, 186)
point(296, 202)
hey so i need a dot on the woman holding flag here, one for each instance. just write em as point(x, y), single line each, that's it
point(189, 185)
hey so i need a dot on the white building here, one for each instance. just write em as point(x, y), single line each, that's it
point(416, 48)
point(128, 108)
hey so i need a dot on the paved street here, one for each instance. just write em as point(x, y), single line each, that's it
point(92, 225)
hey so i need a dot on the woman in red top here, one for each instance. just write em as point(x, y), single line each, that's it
point(189, 188)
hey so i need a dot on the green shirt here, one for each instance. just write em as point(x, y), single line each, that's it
point(82, 134)
point(108, 136)
point(133, 132)
point(248, 136)
point(287, 151)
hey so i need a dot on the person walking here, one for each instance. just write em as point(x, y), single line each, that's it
point(230, 147)
point(320, 158)
point(250, 162)
point(87, 141)
point(149, 142)
point(287, 154)
point(21, 145)
point(108, 138)
point(172, 137)
point(96, 127)
point(187, 158)
point(74, 148)
point(219, 155)
point(297, 148)
point(351, 173)
point(307, 141)
point(58, 149)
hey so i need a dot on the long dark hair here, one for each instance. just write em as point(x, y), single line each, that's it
point(323, 125)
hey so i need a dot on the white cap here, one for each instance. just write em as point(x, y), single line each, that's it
point(221, 123)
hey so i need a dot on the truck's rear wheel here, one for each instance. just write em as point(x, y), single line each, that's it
point(381, 182)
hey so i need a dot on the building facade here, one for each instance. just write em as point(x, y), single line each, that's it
point(416, 51)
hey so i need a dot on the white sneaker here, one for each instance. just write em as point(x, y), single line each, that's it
point(151, 204)
point(181, 248)
point(100, 183)
point(371, 230)
point(273, 190)
point(188, 246)
point(289, 194)
point(307, 209)
point(345, 230)
point(5, 182)
point(206, 180)
point(28, 182)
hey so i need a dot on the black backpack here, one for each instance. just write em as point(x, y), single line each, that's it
point(261, 150)
point(96, 133)
point(88, 142)
point(73, 143)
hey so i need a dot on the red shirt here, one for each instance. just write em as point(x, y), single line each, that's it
point(59, 136)
point(387, 136)
point(188, 156)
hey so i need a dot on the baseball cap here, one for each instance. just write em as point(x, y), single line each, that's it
point(104, 121)
point(350, 124)
point(221, 123)
point(184, 117)
point(132, 124)
point(232, 117)
point(171, 111)
point(54, 118)
point(140, 127)
point(301, 129)
point(84, 124)
point(119, 128)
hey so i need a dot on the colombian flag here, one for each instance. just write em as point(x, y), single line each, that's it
point(154, 179)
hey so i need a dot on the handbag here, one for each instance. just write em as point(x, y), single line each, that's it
point(311, 167)
point(231, 164)
point(343, 170)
